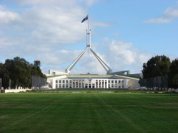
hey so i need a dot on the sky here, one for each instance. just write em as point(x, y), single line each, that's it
point(125, 33)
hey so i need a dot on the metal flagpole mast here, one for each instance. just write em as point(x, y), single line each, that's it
point(89, 49)
point(88, 34)
point(88, 24)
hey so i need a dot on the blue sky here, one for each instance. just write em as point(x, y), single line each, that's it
point(125, 33)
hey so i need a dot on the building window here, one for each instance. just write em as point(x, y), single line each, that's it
point(56, 85)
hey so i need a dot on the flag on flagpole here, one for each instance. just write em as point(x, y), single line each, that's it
point(86, 18)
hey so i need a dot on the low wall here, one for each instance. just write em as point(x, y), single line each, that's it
point(16, 90)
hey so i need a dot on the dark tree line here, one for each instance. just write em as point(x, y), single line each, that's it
point(18, 72)
point(173, 74)
point(160, 72)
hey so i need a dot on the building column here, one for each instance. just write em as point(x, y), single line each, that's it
point(53, 83)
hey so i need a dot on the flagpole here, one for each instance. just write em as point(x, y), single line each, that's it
point(89, 49)
point(89, 33)
point(88, 24)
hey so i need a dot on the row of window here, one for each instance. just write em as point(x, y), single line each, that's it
point(63, 83)
point(82, 81)
point(87, 86)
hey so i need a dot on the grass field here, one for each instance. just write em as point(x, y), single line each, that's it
point(92, 112)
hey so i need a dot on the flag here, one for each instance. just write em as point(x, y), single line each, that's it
point(86, 18)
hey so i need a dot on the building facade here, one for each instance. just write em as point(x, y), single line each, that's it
point(93, 81)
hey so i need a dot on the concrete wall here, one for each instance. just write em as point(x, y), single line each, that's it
point(133, 84)
point(16, 90)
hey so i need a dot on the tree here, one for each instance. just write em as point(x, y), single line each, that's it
point(4, 75)
point(173, 74)
point(19, 72)
point(155, 72)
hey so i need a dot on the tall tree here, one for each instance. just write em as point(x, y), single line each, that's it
point(173, 74)
point(155, 71)
point(4, 75)
point(20, 72)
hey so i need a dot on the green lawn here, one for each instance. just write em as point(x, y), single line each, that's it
point(93, 112)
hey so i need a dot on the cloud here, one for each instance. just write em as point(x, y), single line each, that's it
point(45, 2)
point(86, 3)
point(119, 55)
point(123, 55)
point(57, 25)
point(43, 25)
point(7, 16)
point(4, 43)
point(45, 21)
point(169, 15)
point(90, 2)
point(123, 50)
point(49, 31)
point(40, 29)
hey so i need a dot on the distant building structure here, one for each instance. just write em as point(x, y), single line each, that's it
point(93, 81)
point(110, 80)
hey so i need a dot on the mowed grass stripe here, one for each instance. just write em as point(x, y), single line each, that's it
point(88, 113)
point(124, 119)
point(149, 112)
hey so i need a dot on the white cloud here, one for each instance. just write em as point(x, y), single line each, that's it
point(58, 25)
point(85, 3)
point(44, 29)
point(4, 43)
point(123, 55)
point(7, 16)
point(41, 29)
point(160, 20)
point(169, 15)
point(90, 2)
point(118, 55)
point(123, 50)
point(46, 2)
point(55, 21)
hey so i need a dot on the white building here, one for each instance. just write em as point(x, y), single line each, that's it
point(94, 81)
